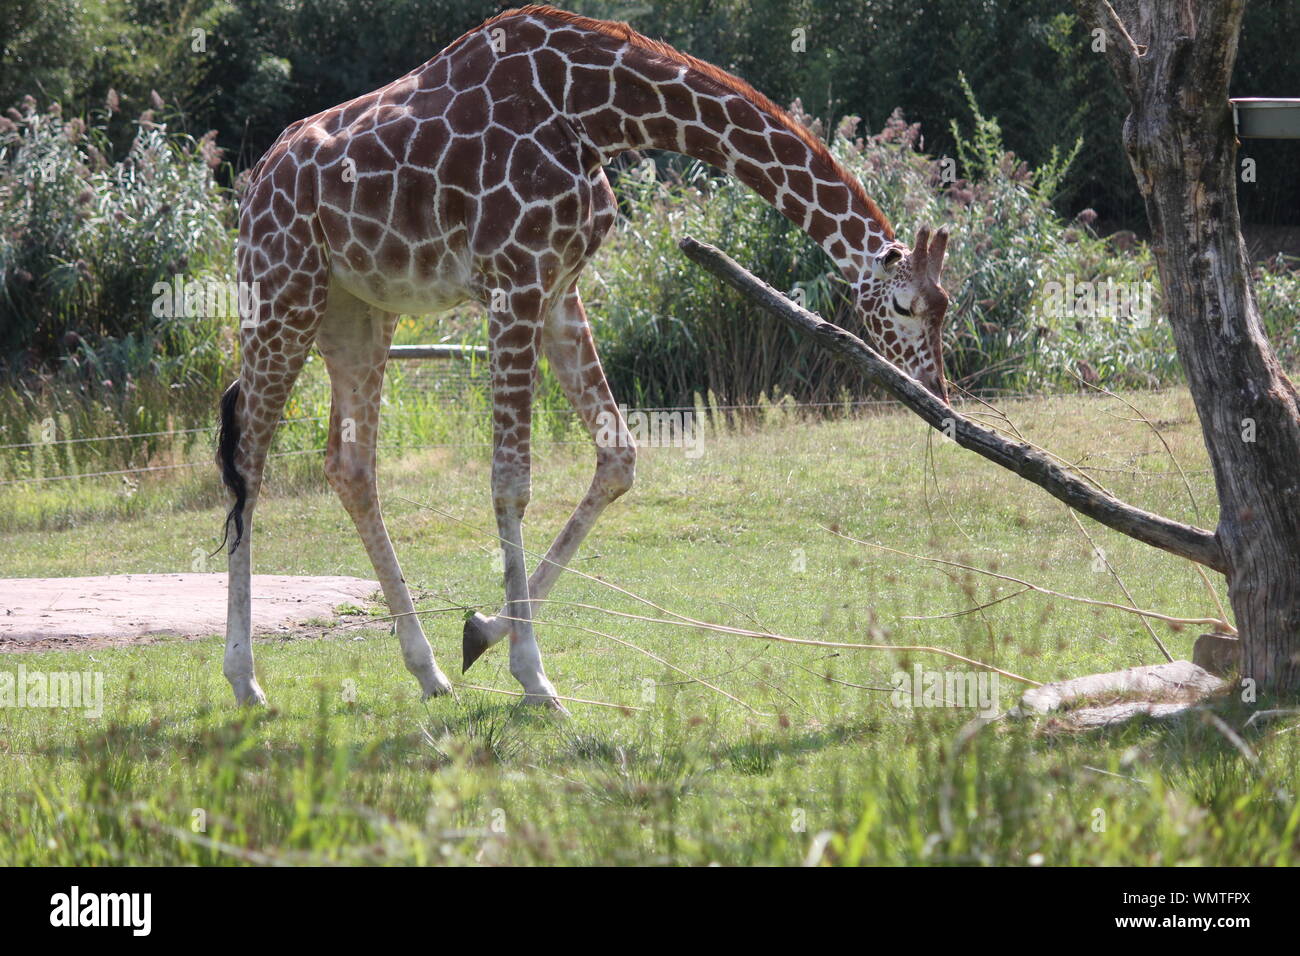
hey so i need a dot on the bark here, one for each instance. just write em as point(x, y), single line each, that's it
point(1174, 61)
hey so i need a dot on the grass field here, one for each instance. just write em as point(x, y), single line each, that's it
point(807, 759)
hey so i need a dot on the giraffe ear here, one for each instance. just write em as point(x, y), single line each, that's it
point(921, 252)
point(938, 247)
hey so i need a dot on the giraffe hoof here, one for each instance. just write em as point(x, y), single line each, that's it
point(433, 683)
point(474, 642)
point(249, 694)
point(547, 703)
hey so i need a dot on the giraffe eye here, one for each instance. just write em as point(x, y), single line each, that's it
point(898, 307)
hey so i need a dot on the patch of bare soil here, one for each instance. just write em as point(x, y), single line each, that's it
point(81, 613)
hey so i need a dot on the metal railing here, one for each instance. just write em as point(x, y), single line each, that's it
point(437, 351)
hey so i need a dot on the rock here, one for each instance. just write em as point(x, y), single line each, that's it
point(1218, 653)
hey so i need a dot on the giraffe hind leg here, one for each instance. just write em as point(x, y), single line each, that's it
point(283, 282)
point(275, 344)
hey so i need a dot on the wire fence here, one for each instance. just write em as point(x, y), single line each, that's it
point(448, 383)
point(403, 446)
point(144, 469)
point(170, 433)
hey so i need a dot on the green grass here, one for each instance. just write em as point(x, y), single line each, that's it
point(349, 766)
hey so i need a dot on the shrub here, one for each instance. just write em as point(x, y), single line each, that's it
point(669, 332)
point(1278, 290)
point(84, 241)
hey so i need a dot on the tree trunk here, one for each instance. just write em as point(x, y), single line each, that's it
point(1174, 59)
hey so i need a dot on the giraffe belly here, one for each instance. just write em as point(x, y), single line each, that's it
point(411, 295)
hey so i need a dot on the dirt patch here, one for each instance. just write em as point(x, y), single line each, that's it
point(77, 613)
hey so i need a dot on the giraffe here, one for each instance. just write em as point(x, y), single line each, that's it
point(479, 177)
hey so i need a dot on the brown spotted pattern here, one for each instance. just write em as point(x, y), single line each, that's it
point(478, 176)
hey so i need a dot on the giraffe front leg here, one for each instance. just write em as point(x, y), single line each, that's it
point(510, 481)
point(572, 355)
point(514, 364)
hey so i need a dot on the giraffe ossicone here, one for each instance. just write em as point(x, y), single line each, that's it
point(479, 177)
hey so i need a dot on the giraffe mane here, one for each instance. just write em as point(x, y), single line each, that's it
point(624, 32)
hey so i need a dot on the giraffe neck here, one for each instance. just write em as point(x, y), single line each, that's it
point(655, 98)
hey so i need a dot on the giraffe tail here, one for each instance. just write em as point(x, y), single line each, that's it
point(227, 446)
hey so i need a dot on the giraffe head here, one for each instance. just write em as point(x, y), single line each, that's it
point(902, 305)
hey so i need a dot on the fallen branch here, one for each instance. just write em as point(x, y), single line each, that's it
point(657, 659)
point(694, 624)
point(970, 610)
point(684, 621)
point(1222, 627)
point(1185, 541)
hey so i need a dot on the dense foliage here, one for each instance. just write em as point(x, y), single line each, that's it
point(104, 193)
point(669, 331)
point(248, 69)
point(87, 240)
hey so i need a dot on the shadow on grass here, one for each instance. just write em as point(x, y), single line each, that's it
point(759, 755)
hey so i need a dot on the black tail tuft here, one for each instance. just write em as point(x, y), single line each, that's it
point(227, 446)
